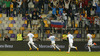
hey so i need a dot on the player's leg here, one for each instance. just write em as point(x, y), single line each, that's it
point(34, 45)
point(57, 47)
point(89, 45)
point(89, 48)
point(54, 47)
point(73, 46)
point(29, 45)
point(69, 48)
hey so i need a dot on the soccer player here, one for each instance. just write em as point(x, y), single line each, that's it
point(52, 39)
point(30, 35)
point(70, 37)
point(89, 36)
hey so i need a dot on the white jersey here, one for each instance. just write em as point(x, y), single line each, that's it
point(70, 37)
point(90, 37)
point(30, 35)
point(52, 39)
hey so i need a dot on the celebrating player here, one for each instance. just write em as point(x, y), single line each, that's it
point(89, 36)
point(30, 35)
point(70, 37)
point(52, 39)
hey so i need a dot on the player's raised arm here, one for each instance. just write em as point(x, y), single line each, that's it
point(64, 37)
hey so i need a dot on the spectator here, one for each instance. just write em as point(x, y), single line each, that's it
point(88, 11)
point(24, 7)
point(65, 18)
point(19, 6)
point(73, 5)
point(98, 9)
point(36, 4)
point(59, 17)
point(1, 5)
point(46, 2)
point(7, 3)
point(53, 11)
point(15, 4)
point(61, 10)
point(81, 6)
point(7, 38)
point(28, 19)
point(94, 4)
point(72, 20)
point(19, 37)
point(86, 2)
point(30, 6)
point(55, 3)
point(67, 6)
point(34, 16)
point(61, 3)
point(35, 11)
point(40, 6)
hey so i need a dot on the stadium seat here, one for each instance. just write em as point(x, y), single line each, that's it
point(25, 21)
point(0, 35)
point(11, 9)
point(13, 22)
point(8, 22)
point(15, 32)
point(18, 22)
point(0, 15)
point(4, 22)
point(76, 25)
point(10, 25)
point(47, 31)
point(0, 22)
point(24, 25)
point(78, 36)
point(15, 25)
point(4, 15)
point(12, 36)
point(19, 25)
point(10, 18)
point(6, 25)
point(10, 31)
point(35, 35)
point(93, 35)
point(13, 28)
point(76, 32)
point(11, 5)
point(15, 18)
point(1, 18)
point(8, 28)
point(24, 18)
point(6, 32)
point(6, 18)
point(22, 28)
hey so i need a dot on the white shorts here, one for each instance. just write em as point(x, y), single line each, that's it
point(71, 44)
point(89, 42)
point(52, 42)
point(30, 42)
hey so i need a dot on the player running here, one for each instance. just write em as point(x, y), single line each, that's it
point(30, 35)
point(52, 39)
point(89, 36)
point(70, 37)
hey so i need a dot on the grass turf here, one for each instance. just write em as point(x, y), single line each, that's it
point(47, 53)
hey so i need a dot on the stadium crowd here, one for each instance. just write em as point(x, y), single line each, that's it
point(61, 10)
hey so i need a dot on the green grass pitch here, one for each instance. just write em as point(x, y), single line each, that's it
point(47, 53)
